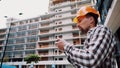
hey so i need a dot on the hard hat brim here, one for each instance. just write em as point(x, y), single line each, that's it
point(75, 20)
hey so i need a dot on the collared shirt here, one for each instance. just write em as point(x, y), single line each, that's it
point(98, 51)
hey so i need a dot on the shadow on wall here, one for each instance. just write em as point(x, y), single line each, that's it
point(117, 34)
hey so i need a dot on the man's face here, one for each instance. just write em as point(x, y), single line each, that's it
point(83, 24)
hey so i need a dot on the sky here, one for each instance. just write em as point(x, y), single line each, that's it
point(28, 8)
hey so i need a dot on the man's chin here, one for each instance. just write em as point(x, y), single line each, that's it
point(82, 31)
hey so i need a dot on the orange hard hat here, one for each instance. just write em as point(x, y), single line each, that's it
point(85, 10)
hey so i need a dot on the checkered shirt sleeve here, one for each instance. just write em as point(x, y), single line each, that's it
point(98, 50)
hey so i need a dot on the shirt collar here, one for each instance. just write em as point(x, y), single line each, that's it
point(91, 29)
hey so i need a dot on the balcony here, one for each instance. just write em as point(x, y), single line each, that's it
point(22, 28)
point(31, 33)
point(43, 45)
point(57, 32)
point(62, 17)
point(2, 38)
point(30, 47)
point(13, 24)
point(75, 34)
point(31, 39)
point(43, 53)
point(2, 32)
point(1, 48)
point(44, 38)
point(33, 26)
point(76, 41)
point(45, 24)
point(9, 49)
point(1, 45)
point(44, 58)
point(74, 27)
point(18, 56)
point(53, 62)
point(57, 1)
point(62, 3)
point(44, 31)
point(55, 25)
point(12, 29)
point(18, 41)
point(18, 49)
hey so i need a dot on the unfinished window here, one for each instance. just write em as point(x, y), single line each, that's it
point(30, 46)
point(75, 34)
point(19, 47)
point(10, 41)
point(55, 29)
point(44, 58)
point(82, 40)
point(13, 24)
point(36, 20)
point(60, 52)
point(31, 21)
point(44, 38)
point(31, 39)
point(74, 27)
point(60, 15)
point(56, 23)
point(60, 36)
point(33, 26)
point(12, 29)
point(21, 22)
point(60, 22)
point(60, 29)
point(45, 24)
point(44, 52)
point(0, 48)
point(76, 41)
point(60, 58)
point(56, 37)
point(9, 48)
point(44, 45)
point(21, 28)
point(44, 31)
point(29, 52)
point(20, 40)
point(11, 35)
point(20, 34)
point(26, 21)
point(33, 32)
point(55, 52)
point(60, 9)
point(18, 54)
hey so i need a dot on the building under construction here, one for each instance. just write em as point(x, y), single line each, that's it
point(38, 35)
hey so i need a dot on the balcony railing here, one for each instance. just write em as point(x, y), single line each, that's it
point(2, 33)
point(30, 47)
point(44, 31)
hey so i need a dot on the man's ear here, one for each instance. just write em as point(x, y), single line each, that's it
point(91, 20)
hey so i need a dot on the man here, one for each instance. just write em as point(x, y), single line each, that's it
point(99, 46)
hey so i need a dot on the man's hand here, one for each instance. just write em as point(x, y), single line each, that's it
point(60, 43)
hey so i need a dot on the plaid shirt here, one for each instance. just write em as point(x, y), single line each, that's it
point(98, 51)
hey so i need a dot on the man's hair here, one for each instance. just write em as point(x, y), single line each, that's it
point(95, 16)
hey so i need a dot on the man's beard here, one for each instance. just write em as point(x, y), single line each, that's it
point(82, 31)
